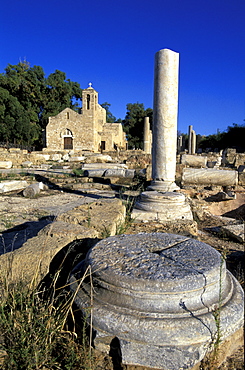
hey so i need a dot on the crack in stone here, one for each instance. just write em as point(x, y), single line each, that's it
point(159, 251)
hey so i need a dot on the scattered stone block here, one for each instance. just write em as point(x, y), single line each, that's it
point(77, 159)
point(32, 190)
point(241, 169)
point(90, 166)
point(211, 164)
point(6, 186)
point(241, 178)
point(94, 173)
point(14, 150)
point(221, 195)
point(130, 173)
point(39, 157)
point(6, 164)
point(55, 157)
point(26, 164)
point(194, 160)
point(115, 172)
point(99, 158)
point(209, 176)
point(32, 260)
point(235, 231)
point(66, 157)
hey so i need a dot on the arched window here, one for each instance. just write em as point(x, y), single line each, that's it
point(88, 101)
point(67, 132)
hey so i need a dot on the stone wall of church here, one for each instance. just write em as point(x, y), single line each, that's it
point(70, 130)
point(69, 124)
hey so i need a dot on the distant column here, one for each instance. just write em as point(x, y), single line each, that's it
point(189, 139)
point(193, 142)
point(179, 144)
point(165, 110)
point(147, 141)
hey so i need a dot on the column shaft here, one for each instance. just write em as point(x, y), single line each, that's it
point(165, 111)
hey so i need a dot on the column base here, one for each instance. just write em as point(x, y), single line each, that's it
point(163, 186)
point(161, 206)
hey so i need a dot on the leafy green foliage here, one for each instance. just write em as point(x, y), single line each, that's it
point(232, 138)
point(133, 124)
point(109, 116)
point(27, 99)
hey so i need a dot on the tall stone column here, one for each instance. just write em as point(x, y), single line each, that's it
point(189, 138)
point(193, 142)
point(179, 144)
point(147, 143)
point(165, 109)
point(161, 202)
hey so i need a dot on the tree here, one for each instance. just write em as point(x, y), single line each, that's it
point(133, 124)
point(27, 99)
point(233, 137)
point(15, 126)
point(109, 116)
point(59, 94)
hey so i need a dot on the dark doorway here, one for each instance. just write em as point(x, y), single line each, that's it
point(68, 143)
point(102, 145)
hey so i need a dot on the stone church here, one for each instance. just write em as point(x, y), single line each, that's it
point(85, 131)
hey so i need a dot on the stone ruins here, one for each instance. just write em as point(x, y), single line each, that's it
point(156, 295)
point(87, 131)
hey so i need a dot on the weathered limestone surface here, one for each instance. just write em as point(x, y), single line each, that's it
point(6, 164)
point(76, 159)
point(161, 203)
point(147, 136)
point(165, 120)
point(192, 141)
point(35, 156)
point(94, 172)
point(104, 215)
point(111, 172)
point(98, 158)
point(77, 218)
point(157, 206)
point(6, 186)
point(120, 173)
point(194, 160)
point(33, 259)
point(86, 130)
point(32, 190)
point(26, 164)
point(235, 231)
point(209, 176)
point(93, 166)
point(174, 281)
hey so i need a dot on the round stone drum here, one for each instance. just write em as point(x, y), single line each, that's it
point(157, 294)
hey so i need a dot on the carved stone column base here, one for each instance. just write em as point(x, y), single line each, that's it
point(155, 298)
point(158, 206)
point(163, 186)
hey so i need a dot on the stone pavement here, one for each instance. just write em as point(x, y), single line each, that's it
point(33, 242)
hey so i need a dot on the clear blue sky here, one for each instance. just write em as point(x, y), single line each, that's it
point(112, 44)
